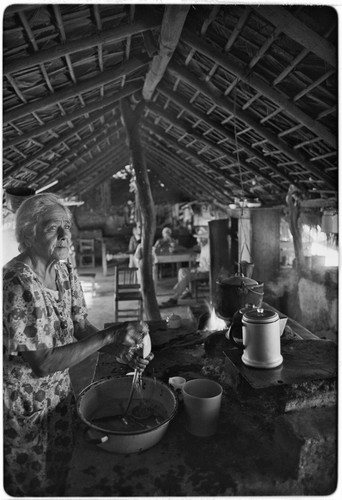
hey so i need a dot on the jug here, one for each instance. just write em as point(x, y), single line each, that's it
point(261, 339)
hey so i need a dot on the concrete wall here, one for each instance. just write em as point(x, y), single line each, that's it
point(311, 299)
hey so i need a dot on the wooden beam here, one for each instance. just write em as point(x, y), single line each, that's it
point(188, 152)
point(79, 152)
point(106, 105)
point(106, 171)
point(188, 174)
point(177, 122)
point(243, 72)
point(200, 115)
point(281, 18)
point(171, 28)
point(64, 49)
point(295, 226)
point(76, 89)
point(54, 143)
point(92, 166)
point(131, 120)
point(247, 118)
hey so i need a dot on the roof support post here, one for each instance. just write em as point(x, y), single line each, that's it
point(131, 120)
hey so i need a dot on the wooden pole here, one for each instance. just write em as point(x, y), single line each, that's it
point(292, 201)
point(171, 28)
point(131, 120)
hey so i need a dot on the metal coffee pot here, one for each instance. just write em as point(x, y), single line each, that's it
point(260, 338)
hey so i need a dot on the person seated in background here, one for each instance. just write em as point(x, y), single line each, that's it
point(166, 244)
point(186, 275)
point(133, 245)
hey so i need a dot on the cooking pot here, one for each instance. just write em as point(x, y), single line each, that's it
point(96, 397)
point(236, 292)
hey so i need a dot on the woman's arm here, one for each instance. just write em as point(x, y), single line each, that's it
point(46, 361)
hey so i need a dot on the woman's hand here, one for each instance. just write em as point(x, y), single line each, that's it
point(127, 341)
point(137, 362)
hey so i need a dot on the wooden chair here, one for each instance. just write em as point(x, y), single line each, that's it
point(127, 294)
point(199, 287)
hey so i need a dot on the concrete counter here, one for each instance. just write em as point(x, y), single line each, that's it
point(259, 449)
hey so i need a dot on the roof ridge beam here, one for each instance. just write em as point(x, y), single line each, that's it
point(170, 32)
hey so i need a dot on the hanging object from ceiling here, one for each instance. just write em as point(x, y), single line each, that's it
point(330, 220)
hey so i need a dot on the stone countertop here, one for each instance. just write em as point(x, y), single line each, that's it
point(249, 455)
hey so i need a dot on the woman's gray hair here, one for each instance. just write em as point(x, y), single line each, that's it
point(30, 212)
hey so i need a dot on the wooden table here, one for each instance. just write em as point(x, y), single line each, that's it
point(173, 258)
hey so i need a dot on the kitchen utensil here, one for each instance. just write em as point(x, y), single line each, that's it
point(261, 338)
point(97, 397)
point(234, 292)
point(144, 348)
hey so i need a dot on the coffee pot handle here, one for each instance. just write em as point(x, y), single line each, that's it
point(231, 338)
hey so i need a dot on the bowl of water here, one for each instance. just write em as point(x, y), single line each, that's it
point(101, 407)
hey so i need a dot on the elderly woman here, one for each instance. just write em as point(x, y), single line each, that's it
point(46, 331)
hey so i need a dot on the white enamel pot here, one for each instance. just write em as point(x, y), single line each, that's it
point(97, 395)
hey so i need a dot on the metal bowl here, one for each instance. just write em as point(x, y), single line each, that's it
point(96, 396)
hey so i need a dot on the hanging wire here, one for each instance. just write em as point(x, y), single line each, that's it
point(237, 150)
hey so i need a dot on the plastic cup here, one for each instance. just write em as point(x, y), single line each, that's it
point(202, 403)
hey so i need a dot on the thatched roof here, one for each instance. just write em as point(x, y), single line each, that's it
point(241, 100)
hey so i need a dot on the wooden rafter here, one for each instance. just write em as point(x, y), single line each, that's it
point(243, 73)
point(106, 105)
point(191, 131)
point(187, 172)
point(62, 50)
point(171, 28)
point(190, 153)
point(299, 32)
point(77, 89)
point(62, 138)
point(220, 101)
point(92, 166)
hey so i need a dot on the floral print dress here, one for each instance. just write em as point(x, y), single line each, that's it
point(39, 412)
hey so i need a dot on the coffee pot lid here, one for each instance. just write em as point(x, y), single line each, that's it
point(260, 315)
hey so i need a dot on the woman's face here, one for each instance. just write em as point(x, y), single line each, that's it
point(53, 235)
